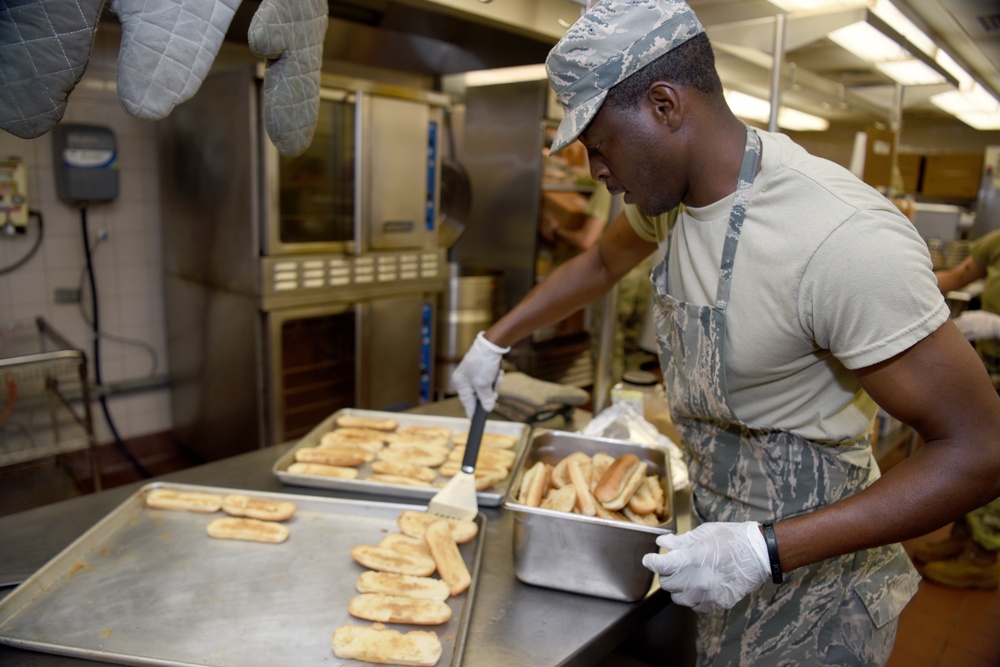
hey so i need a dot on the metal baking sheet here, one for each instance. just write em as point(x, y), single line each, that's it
point(150, 587)
point(492, 497)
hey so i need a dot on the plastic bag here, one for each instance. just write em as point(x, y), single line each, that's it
point(621, 421)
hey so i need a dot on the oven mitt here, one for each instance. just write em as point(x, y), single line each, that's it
point(167, 49)
point(44, 49)
point(539, 393)
point(289, 35)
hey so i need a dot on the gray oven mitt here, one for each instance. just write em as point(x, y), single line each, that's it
point(167, 49)
point(44, 49)
point(538, 393)
point(289, 35)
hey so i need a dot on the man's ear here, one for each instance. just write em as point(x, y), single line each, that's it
point(667, 103)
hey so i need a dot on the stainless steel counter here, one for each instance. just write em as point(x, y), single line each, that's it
point(512, 623)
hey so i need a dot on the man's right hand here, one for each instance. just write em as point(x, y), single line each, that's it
point(479, 374)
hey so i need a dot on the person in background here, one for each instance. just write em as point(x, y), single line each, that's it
point(983, 261)
point(968, 558)
point(793, 300)
point(633, 290)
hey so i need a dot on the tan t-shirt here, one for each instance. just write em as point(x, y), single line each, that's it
point(828, 276)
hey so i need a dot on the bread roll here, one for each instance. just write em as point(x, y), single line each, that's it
point(332, 440)
point(404, 469)
point(580, 481)
point(239, 504)
point(494, 440)
point(535, 483)
point(376, 423)
point(186, 501)
point(599, 465)
point(406, 544)
point(398, 609)
point(252, 530)
point(450, 565)
point(560, 476)
point(415, 523)
point(323, 470)
point(426, 455)
point(620, 481)
point(649, 519)
point(418, 648)
point(359, 433)
point(503, 457)
point(561, 500)
point(334, 456)
point(405, 585)
point(642, 501)
point(399, 480)
point(418, 440)
point(433, 432)
point(451, 468)
point(384, 559)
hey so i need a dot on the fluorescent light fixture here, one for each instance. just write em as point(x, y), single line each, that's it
point(887, 11)
point(868, 43)
point(810, 5)
point(949, 65)
point(754, 108)
point(493, 77)
point(911, 72)
point(974, 107)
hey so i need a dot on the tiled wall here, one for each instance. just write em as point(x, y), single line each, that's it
point(127, 264)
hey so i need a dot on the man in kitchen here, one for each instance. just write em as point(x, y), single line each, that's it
point(793, 300)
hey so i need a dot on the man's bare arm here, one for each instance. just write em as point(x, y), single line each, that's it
point(941, 389)
point(960, 276)
point(573, 285)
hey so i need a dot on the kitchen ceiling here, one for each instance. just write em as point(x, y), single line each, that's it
point(448, 36)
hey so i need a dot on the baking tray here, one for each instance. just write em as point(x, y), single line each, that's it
point(492, 497)
point(149, 587)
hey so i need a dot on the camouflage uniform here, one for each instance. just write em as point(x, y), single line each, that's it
point(839, 611)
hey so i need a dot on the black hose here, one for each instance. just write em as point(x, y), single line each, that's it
point(34, 248)
point(96, 328)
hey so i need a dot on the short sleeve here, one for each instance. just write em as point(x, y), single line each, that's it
point(650, 228)
point(869, 291)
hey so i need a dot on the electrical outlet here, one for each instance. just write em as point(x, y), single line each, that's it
point(67, 295)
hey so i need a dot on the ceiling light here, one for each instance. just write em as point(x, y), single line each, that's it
point(886, 11)
point(974, 107)
point(493, 77)
point(949, 65)
point(754, 108)
point(868, 43)
point(809, 5)
point(910, 72)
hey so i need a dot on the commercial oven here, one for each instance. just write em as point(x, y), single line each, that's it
point(298, 285)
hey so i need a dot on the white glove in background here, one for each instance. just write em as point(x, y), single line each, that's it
point(479, 374)
point(712, 567)
point(978, 324)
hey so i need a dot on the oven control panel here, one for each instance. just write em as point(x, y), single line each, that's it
point(327, 276)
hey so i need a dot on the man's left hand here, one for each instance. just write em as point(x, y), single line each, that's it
point(712, 567)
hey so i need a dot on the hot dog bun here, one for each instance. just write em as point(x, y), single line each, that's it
point(385, 559)
point(252, 530)
point(620, 481)
point(187, 501)
point(419, 648)
point(405, 585)
point(450, 565)
point(398, 609)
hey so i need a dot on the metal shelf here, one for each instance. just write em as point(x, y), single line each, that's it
point(39, 372)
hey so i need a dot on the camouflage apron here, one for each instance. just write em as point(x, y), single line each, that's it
point(841, 611)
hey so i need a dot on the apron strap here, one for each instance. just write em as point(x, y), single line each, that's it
point(748, 171)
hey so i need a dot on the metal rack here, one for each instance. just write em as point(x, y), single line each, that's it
point(45, 408)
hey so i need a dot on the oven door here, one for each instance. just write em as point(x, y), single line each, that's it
point(310, 200)
point(374, 354)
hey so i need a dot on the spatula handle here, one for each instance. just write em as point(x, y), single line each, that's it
point(474, 439)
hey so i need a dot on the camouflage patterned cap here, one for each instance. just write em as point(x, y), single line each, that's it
point(612, 41)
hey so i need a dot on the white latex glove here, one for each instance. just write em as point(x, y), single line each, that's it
point(978, 324)
point(712, 567)
point(479, 374)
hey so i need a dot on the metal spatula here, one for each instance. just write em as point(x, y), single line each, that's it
point(457, 500)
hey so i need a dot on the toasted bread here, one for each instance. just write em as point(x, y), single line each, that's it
point(252, 530)
point(385, 559)
point(418, 648)
point(186, 501)
point(405, 585)
point(398, 609)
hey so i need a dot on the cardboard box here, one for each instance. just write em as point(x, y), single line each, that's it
point(567, 208)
